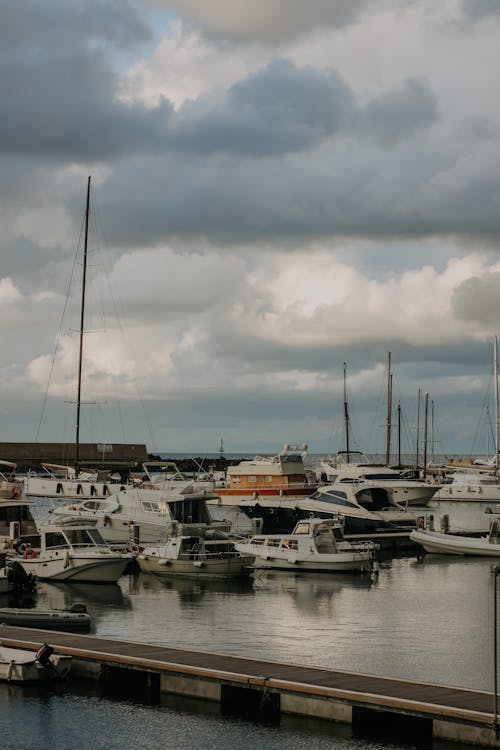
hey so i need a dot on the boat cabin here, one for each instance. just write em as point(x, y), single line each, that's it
point(283, 471)
point(53, 538)
point(16, 522)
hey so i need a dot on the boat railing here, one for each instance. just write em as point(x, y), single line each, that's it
point(221, 555)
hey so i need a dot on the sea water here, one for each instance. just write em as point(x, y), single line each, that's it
point(425, 618)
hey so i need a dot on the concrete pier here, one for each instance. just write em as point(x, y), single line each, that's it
point(274, 688)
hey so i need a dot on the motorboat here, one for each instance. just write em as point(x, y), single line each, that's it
point(74, 619)
point(140, 515)
point(195, 557)
point(20, 665)
point(71, 553)
point(454, 544)
point(354, 466)
point(66, 483)
point(17, 523)
point(316, 545)
point(10, 488)
point(470, 486)
point(284, 474)
point(365, 509)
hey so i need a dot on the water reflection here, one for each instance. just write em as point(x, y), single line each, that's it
point(188, 589)
point(311, 593)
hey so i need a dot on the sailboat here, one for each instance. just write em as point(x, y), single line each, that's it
point(70, 482)
point(477, 481)
point(353, 467)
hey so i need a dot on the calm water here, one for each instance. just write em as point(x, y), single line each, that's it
point(428, 620)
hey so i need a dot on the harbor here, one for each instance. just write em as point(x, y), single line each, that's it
point(399, 625)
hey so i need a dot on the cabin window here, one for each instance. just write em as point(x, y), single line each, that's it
point(78, 537)
point(302, 528)
point(269, 479)
point(273, 542)
point(252, 479)
point(55, 539)
point(151, 506)
point(236, 480)
point(91, 505)
point(258, 540)
point(290, 544)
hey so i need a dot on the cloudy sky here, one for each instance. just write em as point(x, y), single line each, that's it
point(277, 188)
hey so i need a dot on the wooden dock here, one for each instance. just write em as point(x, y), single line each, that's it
point(451, 713)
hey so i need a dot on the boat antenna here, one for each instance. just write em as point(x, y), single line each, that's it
point(82, 323)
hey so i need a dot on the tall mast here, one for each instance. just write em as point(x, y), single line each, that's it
point(399, 433)
point(417, 454)
point(426, 411)
point(389, 412)
point(82, 324)
point(346, 413)
point(432, 433)
point(495, 357)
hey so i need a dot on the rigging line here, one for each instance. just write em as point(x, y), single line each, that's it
point(485, 405)
point(119, 318)
point(58, 337)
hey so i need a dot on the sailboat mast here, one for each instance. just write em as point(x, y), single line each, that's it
point(417, 453)
point(346, 413)
point(399, 434)
point(82, 324)
point(426, 412)
point(389, 412)
point(495, 358)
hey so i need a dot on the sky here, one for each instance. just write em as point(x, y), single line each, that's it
point(278, 188)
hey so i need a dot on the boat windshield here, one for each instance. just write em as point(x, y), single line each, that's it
point(84, 537)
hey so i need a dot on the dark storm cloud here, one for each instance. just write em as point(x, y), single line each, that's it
point(61, 24)
point(476, 10)
point(56, 73)
point(283, 108)
point(278, 109)
point(396, 114)
point(478, 300)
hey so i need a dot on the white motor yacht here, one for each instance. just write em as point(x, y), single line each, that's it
point(315, 545)
point(470, 486)
point(353, 466)
point(71, 553)
point(365, 509)
point(140, 515)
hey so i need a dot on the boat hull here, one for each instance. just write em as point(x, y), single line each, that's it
point(76, 568)
point(17, 665)
point(50, 619)
point(339, 562)
point(450, 544)
point(231, 567)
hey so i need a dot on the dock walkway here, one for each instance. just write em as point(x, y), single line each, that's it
point(456, 713)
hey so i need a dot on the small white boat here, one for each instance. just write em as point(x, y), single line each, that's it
point(75, 619)
point(454, 544)
point(195, 557)
point(315, 544)
point(19, 665)
point(72, 553)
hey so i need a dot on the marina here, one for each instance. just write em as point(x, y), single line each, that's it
point(398, 625)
